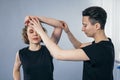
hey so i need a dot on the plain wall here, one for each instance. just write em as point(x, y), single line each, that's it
point(12, 14)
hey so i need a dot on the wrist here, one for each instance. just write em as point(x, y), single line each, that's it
point(68, 31)
point(40, 19)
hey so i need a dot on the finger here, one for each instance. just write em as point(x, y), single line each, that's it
point(33, 19)
point(37, 20)
point(31, 22)
point(26, 19)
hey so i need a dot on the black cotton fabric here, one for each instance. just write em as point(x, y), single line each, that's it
point(100, 65)
point(37, 65)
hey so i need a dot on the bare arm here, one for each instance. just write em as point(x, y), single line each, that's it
point(55, 50)
point(50, 21)
point(57, 24)
point(77, 44)
point(73, 40)
point(16, 68)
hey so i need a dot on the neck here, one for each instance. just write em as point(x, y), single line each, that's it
point(34, 47)
point(100, 36)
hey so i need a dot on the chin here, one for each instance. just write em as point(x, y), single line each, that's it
point(89, 36)
point(36, 42)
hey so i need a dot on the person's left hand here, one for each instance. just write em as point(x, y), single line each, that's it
point(35, 23)
point(27, 18)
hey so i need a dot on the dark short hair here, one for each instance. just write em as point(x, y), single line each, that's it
point(96, 15)
point(25, 36)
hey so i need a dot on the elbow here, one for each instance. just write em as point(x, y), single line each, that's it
point(76, 46)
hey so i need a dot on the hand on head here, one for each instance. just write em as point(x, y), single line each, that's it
point(28, 18)
point(34, 22)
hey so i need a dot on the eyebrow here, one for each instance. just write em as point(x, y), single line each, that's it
point(84, 23)
point(30, 30)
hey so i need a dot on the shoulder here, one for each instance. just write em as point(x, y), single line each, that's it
point(44, 47)
point(23, 50)
point(107, 44)
point(45, 50)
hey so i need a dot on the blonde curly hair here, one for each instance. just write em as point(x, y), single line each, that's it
point(25, 36)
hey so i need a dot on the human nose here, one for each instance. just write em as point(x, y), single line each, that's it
point(35, 33)
point(83, 29)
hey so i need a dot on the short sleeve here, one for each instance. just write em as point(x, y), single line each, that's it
point(95, 52)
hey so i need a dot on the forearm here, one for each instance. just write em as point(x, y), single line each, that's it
point(58, 53)
point(52, 47)
point(16, 75)
point(51, 21)
point(73, 40)
point(57, 27)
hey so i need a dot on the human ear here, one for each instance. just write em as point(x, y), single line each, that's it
point(97, 25)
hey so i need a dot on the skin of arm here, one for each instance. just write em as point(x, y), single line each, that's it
point(16, 68)
point(57, 24)
point(77, 44)
point(55, 50)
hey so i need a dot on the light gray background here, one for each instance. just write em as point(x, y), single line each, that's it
point(12, 14)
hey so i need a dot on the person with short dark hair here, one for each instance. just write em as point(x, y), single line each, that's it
point(98, 55)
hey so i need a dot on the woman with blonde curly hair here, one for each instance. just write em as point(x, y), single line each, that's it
point(35, 59)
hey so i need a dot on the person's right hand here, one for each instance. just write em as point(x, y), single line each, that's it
point(28, 18)
point(65, 27)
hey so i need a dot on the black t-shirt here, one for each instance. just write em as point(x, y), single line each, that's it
point(100, 65)
point(37, 65)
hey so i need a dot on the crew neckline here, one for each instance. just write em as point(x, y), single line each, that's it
point(102, 41)
point(35, 50)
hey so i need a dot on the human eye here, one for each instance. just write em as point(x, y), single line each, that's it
point(31, 31)
point(84, 25)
